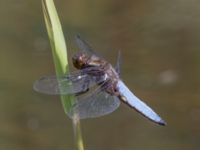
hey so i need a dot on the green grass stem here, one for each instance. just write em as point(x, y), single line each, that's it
point(59, 51)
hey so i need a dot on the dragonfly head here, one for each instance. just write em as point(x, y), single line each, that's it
point(80, 60)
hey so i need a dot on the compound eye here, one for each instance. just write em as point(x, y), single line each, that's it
point(79, 60)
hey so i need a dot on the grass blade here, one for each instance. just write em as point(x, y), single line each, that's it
point(59, 51)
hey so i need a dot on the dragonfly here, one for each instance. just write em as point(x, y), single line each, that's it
point(96, 85)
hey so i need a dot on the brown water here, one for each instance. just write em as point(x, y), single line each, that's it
point(160, 44)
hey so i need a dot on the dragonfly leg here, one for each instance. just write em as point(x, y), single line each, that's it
point(82, 92)
point(85, 87)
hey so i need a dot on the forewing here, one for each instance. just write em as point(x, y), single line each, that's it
point(84, 46)
point(118, 64)
point(71, 84)
point(129, 98)
point(61, 85)
point(97, 103)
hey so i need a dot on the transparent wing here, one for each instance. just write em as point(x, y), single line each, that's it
point(96, 104)
point(71, 84)
point(129, 98)
point(118, 64)
point(84, 46)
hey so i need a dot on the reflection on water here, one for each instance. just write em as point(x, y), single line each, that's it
point(168, 77)
point(160, 49)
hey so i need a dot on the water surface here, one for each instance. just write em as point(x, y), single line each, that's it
point(159, 41)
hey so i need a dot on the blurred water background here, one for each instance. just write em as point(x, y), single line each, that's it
point(160, 45)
